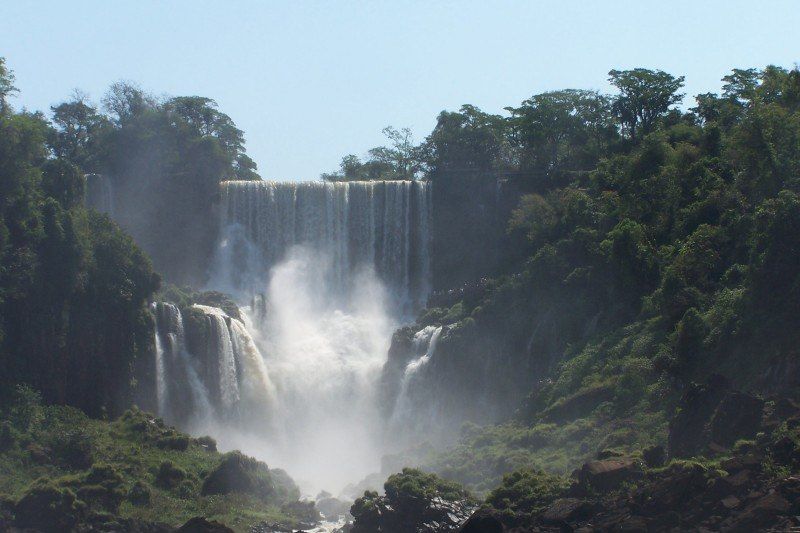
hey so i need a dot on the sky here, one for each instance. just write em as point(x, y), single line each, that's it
point(312, 81)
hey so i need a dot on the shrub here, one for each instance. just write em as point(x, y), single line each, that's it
point(72, 448)
point(524, 493)
point(102, 488)
point(169, 475)
point(239, 473)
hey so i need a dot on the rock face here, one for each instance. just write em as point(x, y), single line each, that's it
point(711, 419)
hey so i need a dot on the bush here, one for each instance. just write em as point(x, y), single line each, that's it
point(412, 490)
point(72, 448)
point(102, 488)
point(169, 475)
point(524, 493)
point(239, 473)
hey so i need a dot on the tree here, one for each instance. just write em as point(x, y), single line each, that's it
point(401, 160)
point(644, 95)
point(562, 129)
point(202, 116)
point(126, 100)
point(6, 85)
point(77, 126)
point(402, 156)
point(468, 140)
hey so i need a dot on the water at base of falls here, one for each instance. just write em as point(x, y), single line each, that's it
point(335, 269)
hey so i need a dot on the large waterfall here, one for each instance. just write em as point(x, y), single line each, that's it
point(323, 273)
point(384, 225)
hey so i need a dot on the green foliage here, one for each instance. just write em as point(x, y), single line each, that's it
point(73, 287)
point(413, 484)
point(49, 508)
point(524, 493)
point(663, 253)
point(401, 160)
point(238, 473)
point(644, 96)
point(131, 476)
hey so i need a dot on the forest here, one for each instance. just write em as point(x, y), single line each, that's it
point(615, 278)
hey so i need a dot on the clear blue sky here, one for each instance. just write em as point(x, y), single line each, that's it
point(309, 82)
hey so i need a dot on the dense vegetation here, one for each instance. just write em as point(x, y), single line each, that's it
point(658, 246)
point(73, 286)
point(61, 471)
point(162, 161)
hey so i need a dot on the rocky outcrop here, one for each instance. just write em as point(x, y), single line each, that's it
point(753, 486)
point(688, 435)
point(738, 416)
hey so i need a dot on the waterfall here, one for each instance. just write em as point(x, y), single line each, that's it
point(99, 194)
point(424, 346)
point(323, 273)
point(382, 224)
point(227, 362)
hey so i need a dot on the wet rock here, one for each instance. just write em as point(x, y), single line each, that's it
point(609, 474)
point(738, 416)
point(483, 521)
point(201, 525)
point(566, 510)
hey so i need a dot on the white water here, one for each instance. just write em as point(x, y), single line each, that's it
point(333, 270)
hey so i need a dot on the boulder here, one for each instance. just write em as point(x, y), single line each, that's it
point(738, 416)
point(201, 525)
point(609, 474)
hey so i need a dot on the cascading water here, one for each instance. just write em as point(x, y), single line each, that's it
point(223, 376)
point(408, 417)
point(384, 225)
point(323, 274)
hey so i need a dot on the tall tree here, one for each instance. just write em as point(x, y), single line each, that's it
point(6, 85)
point(644, 96)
